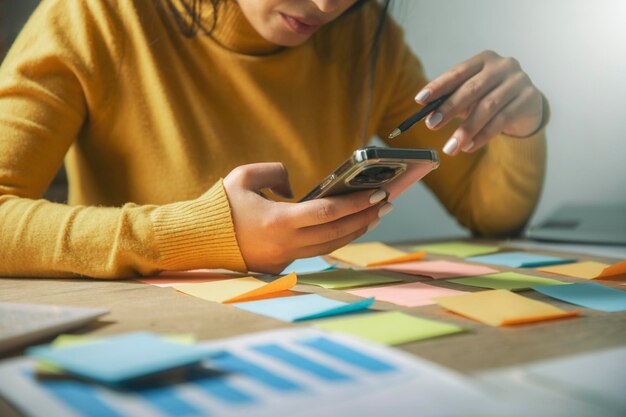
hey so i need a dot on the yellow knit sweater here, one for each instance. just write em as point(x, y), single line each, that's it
point(149, 121)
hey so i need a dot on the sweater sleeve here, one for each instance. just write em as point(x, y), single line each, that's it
point(493, 191)
point(43, 107)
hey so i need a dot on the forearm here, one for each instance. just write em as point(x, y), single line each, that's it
point(499, 193)
point(40, 238)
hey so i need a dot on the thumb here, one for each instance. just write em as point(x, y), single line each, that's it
point(272, 175)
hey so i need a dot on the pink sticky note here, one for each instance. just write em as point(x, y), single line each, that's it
point(171, 278)
point(440, 269)
point(410, 295)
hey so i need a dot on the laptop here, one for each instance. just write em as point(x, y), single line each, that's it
point(22, 324)
point(584, 223)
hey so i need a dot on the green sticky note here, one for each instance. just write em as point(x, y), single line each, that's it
point(460, 249)
point(506, 281)
point(345, 278)
point(389, 328)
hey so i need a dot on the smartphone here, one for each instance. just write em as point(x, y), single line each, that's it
point(390, 169)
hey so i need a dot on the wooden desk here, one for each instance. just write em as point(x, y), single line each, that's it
point(138, 306)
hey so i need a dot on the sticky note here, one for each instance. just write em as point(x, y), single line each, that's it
point(460, 249)
point(409, 295)
point(389, 328)
point(118, 359)
point(69, 340)
point(614, 270)
point(588, 270)
point(238, 289)
point(345, 278)
point(373, 254)
point(302, 307)
point(506, 281)
point(308, 265)
point(588, 294)
point(502, 307)
point(440, 269)
point(520, 259)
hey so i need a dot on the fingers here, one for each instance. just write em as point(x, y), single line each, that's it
point(328, 209)
point(272, 175)
point(450, 80)
point(344, 226)
point(498, 124)
point(327, 247)
point(485, 110)
point(464, 98)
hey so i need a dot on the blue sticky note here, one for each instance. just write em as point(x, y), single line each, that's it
point(118, 359)
point(587, 294)
point(303, 307)
point(520, 260)
point(308, 265)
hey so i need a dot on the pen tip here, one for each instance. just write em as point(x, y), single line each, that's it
point(395, 133)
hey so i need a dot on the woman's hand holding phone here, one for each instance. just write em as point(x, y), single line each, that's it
point(272, 234)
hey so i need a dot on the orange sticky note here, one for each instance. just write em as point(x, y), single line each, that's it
point(374, 254)
point(238, 289)
point(501, 307)
point(614, 270)
point(587, 270)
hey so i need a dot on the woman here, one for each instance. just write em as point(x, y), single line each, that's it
point(151, 103)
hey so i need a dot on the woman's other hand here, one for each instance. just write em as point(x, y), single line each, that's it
point(272, 234)
point(492, 94)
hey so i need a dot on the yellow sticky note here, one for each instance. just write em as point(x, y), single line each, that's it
point(501, 307)
point(374, 254)
point(587, 270)
point(237, 289)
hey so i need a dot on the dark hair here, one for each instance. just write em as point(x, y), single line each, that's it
point(190, 22)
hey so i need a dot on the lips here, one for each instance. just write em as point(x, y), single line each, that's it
point(300, 25)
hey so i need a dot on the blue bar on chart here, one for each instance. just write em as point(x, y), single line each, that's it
point(346, 354)
point(301, 363)
point(81, 398)
point(233, 363)
point(168, 402)
point(219, 388)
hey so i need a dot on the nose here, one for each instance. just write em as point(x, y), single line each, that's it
point(326, 6)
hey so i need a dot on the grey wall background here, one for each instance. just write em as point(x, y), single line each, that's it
point(575, 52)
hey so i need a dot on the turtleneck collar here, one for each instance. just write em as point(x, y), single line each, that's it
point(232, 30)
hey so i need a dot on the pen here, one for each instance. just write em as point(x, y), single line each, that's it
point(406, 125)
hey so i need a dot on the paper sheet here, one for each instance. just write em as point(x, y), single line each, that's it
point(238, 289)
point(373, 254)
point(345, 278)
point(303, 307)
point(459, 249)
point(520, 259)
point(308, 265)
point(296, 371)
point(440, 269)
point(502, 307)
point(389, 328)
point(409, 295)
point(506, 281)
point(588, 294)
point(588, 270)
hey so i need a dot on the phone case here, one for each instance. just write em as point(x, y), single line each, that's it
point(414, 164)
